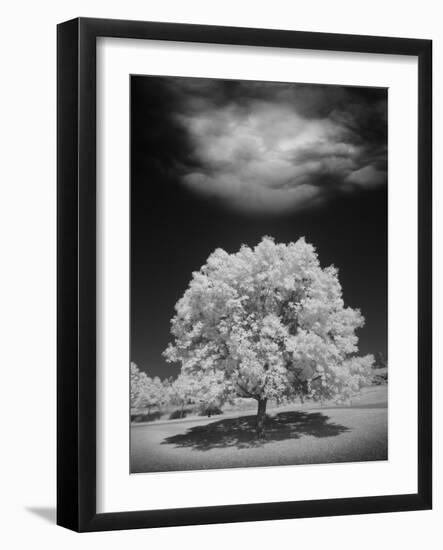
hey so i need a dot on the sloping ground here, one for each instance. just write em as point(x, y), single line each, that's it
point(294, 436)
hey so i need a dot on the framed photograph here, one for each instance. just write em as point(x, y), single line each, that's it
point(244, 274)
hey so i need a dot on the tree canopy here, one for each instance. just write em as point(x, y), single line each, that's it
point(269, 322)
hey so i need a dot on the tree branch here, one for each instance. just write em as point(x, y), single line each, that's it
point(246, 392)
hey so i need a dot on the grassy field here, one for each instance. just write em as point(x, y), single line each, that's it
point(295, 434)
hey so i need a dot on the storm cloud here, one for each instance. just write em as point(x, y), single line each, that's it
point(266, 147)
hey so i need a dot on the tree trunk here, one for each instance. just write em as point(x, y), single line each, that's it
point(261, 417)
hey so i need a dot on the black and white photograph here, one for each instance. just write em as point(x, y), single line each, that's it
point(258, 274)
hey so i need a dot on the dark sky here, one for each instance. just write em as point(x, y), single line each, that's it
point(218, 163)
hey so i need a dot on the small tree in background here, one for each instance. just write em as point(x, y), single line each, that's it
point(146, 392)
point(269, 322)
point(183, 391)
point(381, 368)
point(380, 361)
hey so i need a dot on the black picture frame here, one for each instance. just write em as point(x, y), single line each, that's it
point(76, 295)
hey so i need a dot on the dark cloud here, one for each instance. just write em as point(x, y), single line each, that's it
point(263, 147)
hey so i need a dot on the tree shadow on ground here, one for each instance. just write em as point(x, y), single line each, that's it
point(240, 432)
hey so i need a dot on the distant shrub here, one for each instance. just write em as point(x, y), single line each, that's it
point(210, 411)
point(380, 379)
point(178, 413)
point(146, 417)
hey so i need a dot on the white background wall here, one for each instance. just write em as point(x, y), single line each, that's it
point(27, 270)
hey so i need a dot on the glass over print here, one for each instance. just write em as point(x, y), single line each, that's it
point(258, 273)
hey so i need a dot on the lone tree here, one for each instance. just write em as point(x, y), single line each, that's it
point(272, 323)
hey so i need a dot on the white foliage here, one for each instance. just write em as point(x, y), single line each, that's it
point(146, 392)
point(267, 322)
